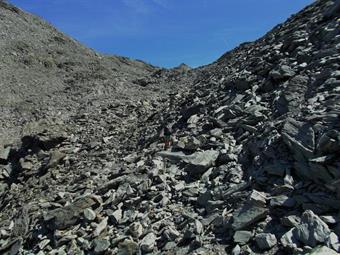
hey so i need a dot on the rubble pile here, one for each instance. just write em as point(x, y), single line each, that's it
point(253, 167)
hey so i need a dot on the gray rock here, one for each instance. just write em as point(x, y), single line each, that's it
point(101, 227)
point(67, 216)
point(236, 250)
point(171, 233)
point(283, 201)
point(242, 236)
point(329, 219)
point(282, 72)
point(299, 137)
point(127, 247)
point(4, 153)
point(288, 240)
point(188, 143)
point(136, 229)
point(248, 215)
point(117, 216)
point(257, 198)
point(322, 250)
point(204, 159)
point(333, 242)
point(89, 214)
point(100, 246)
point(291, 221)
point(148, 243)
point(265, 241)
point(55, 158)
point(312, 229)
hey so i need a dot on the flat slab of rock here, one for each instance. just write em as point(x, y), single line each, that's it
point(176, 156)
point(283, 201)
point(242, 236)
point(299, 137)
point(198, 161)
point(248, 215)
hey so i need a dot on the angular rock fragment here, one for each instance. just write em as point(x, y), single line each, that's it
point(67, 216)
point(312, 229)
point(242, 236)
point(288, 240)
point(148, 243)
point(100, 246)
point(265, 241)
point(322, 250)
point(283, 201)
point(4, 154)
point(89, 214)
point(248, 215)
point(100, 227)
point(257, 198)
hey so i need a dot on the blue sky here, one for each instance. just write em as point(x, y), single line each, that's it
point(164, 32)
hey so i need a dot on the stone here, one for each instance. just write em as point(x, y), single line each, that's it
point(67, 216)
point(100, 246)
point(204, 159)
point(329, 219)
point(89, 214)
point(281, 72)
point(148, 243)
point(299, 137)
point(265, 241)
point(55, 158)
point(291, 221)
point(312, 229)
point(236, 250)
point(288, 240)
point(198, 227)
point(127, 247)
point(248, 215)
point(4, 154)
point(136, 229)
point(171, 233)
point(333, 242)
point(242, 236)
point(283, 201)
point(257, 198)
point(117, 215)
point(101, 227)
point(322, 250)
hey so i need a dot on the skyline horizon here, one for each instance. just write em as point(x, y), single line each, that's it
point(177, 43)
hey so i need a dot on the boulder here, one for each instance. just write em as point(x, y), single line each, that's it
point(312, 229)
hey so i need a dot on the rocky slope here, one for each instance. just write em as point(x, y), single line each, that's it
point(254, 166)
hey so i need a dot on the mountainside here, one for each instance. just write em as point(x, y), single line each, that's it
point(253, 167)
point(43, 72)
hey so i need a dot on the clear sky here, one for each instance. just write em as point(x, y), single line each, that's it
point(164, 32)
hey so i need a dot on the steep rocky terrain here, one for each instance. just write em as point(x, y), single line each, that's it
point(254, 165)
